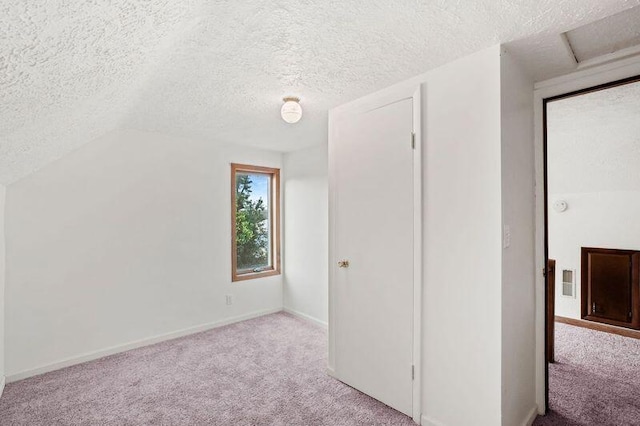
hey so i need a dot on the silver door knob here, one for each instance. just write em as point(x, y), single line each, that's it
point(343, 264)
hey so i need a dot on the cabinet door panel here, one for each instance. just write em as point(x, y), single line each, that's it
point(610, 286)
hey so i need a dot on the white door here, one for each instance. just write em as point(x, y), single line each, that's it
point(373, 230)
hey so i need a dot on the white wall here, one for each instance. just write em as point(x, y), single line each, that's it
point(122, 240)
point(518, 275)
point(2, 287)
point(462, 242)
point(306, 233)
point(600, 219)
point(478, 300)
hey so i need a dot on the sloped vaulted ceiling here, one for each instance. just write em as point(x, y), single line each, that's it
point(73, 71)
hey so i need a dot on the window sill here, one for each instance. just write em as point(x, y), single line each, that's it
point(254, 275)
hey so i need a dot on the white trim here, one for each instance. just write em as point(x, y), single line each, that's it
point(417, 254)
point(528, 420)
point(531, 417)
point(90, 356)
point(305, 317)
point(578, 80)
point(539, 290)
point(620, 66)
point(409, 89)
point(331, 154)
point(3, 381)
point(603, 59)
point(398, 91)
point(426, 421)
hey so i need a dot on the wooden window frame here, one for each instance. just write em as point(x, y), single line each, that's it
point(274, 228)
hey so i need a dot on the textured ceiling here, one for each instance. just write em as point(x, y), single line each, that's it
point(73, 71)
point(594, 141)
point(606, 36)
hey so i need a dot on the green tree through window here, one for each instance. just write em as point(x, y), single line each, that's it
point(255, 222)
point(252, 224)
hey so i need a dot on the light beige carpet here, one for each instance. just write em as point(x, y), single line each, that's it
point(266, 371)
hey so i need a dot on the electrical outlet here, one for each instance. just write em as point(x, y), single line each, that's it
point(229, 299)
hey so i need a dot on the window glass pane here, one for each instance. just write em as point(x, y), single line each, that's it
point(253, 222)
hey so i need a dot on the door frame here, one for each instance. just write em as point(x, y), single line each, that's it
point(377, 100)
point(573, 84)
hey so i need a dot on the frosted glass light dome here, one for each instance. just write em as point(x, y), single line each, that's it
point(291, 110)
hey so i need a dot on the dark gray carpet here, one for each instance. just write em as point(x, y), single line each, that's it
point(265, 371)
point(595, 380)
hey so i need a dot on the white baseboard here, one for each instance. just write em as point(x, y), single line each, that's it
point(90, 356)
point(2, 383)
point(528, 421)
point(426, 421)
point(309, 318)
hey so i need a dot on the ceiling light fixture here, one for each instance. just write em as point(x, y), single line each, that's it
point(291, 111)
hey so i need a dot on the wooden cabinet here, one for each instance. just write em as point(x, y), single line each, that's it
point(551, 310)
point(611, 286)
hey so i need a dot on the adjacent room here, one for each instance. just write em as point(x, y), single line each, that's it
point(319, 213)
point(593, 149)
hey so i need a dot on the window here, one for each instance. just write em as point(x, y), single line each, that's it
point(255, 222)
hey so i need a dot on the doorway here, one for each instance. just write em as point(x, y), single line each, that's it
point(590, 190)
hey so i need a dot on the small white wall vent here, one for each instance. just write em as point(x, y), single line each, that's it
point(568, 284)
